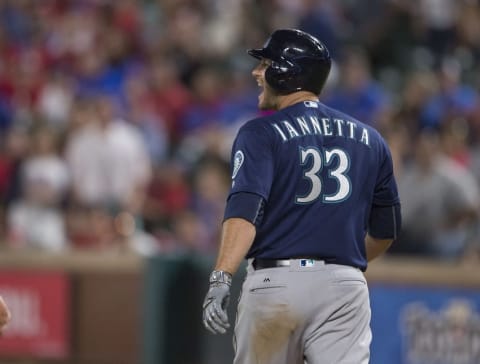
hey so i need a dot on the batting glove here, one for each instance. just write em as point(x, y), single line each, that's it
point(216, 301)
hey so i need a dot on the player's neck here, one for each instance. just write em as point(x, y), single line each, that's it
point(294, 98)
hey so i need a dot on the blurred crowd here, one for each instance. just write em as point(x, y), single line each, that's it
point(117, 116)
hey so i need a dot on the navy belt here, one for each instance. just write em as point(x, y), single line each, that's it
point(259, 263)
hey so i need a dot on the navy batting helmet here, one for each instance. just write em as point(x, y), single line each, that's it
point(299, 61)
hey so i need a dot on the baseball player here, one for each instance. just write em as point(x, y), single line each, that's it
point(313, 199)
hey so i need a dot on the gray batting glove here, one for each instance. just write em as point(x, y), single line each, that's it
point(216, 301)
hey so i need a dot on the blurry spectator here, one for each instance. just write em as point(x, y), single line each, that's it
point(204, 129)
point(6, 87)
point(439, 20)
point(55, 100)
point(94, 76)
point(168, 195)
point(169, 95)
point(81, 113)
point(89, 227)
point(73, 32)
point(454, 137)
point(389, 31)
point(14, 16)
point(186, 32)
point(129, 238)
point(143, 114)
point(210, 186)
point(108, 161)
point(25, 79)
point(453, 99)
point(190, 234)
point(419, 87)
point(440, 202)
point(223, 26)
point(240, 99)
point(468, 35)
point(36, 219)
point(205, 109)
point(13, 151)
point(103, 64)
point(322, 19)
point(357, 93)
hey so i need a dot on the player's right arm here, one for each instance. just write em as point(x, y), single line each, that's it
point(252, 176)
point(242, 213)
point(385, 218)
point(237, 238)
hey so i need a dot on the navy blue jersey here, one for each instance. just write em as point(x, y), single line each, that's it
point(319, 171)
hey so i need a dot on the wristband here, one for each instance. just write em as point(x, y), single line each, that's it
point(221, 276)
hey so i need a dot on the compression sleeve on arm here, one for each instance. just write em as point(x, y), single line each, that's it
point(385, 221)
point(245, 205)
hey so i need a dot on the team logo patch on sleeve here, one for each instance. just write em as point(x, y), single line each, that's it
point(237, 162)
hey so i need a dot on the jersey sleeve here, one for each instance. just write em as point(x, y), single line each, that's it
point(252, 162)
point(386, 192)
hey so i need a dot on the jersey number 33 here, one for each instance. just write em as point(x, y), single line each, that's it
point(313, 161)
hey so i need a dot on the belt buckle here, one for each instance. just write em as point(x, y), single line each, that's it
point(283, 263)
point(307, 263)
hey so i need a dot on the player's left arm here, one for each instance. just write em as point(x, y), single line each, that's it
point(385, 218)
point(384, 226)
point(376, 247)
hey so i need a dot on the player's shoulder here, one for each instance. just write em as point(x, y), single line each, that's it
point(259, 124)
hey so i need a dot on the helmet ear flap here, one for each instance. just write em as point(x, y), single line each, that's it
point(280, 75)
